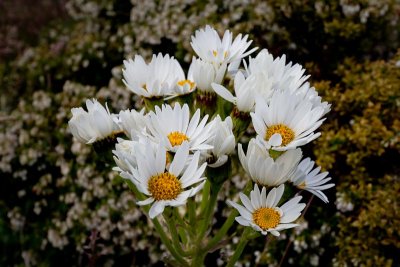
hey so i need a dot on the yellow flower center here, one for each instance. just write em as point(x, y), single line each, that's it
point(215, 53)
point(302, 185)
point(189, 82)
point(164, 186)
point(177, 138)
point(286, 133)
point(266, 218)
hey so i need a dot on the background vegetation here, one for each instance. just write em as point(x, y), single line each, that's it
point(59, 205)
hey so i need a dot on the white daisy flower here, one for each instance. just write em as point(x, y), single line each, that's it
point(311, 180)
point(223, 142)
point(263, 169)
point(208, 46)
point(283, 75)
point(204, 74)
point(287, 122)
point(173, 126)
point(126, 152)
point(307, 92)
point(262, 214)
point(132, 122)
point(183, 87)
point(246, 90)
point(94, 124)
point(156, 79)
point(166, 186)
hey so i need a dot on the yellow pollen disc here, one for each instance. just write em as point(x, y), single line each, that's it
point(225, 54)
point(189, 82)
point(266, 218)
point(302, 185)
point(215, 53)
point(164, 186)
point(177, 138)
point(286, 133)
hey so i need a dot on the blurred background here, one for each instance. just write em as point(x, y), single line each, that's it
point(61, 205)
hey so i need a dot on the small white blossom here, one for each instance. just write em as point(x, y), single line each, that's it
point(260, 211)
point(94, 124)
point(304, 177)
point(208, 46)
point(263, 169)
point(204, 74)
point(156, 79)
point(223, 141)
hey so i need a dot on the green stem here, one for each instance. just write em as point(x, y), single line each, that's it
point(168, 244)
point(204, 197)
point(191, 208)
point(240, 247)
point(171, 222)
point(228, 223)
point(222, 231)
point(198, 259)
point(207, 218)
point(158, 227)
point(181, 227)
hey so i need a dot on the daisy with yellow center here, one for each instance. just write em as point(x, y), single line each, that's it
point(172, 126)
point(260, 211)
point(287, 121)
point(263, 169)
point(165, 184)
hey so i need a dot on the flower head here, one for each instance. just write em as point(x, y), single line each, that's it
point(126, 151)
point(173, 126)
point(209, 47)
point(262, 214)
point(166, 185)
point(263, 169)
point(204, 74)
point(94, 124)
point(287, 122)
point(132, 122)
point(282, 75)
point(223, 141)
point(156, 79)
point(246, 90)
point(304, 177)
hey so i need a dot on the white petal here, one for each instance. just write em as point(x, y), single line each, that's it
point(275, 140)
point(223, 92)
point(145, 202)
point(156, 209)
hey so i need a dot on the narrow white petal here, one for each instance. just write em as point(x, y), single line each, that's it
point(156, 209)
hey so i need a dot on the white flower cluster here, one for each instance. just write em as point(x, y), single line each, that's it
point(171, 144)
